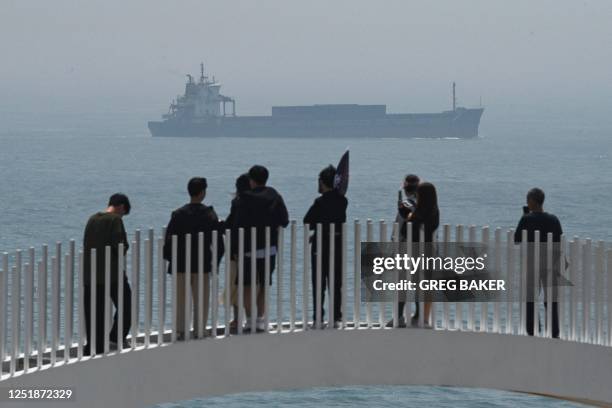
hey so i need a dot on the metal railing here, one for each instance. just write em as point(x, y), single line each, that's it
point(42, 311)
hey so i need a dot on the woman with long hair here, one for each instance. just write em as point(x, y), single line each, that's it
point(426, 216)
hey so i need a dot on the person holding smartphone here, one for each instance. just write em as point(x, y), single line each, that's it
point(406, 205)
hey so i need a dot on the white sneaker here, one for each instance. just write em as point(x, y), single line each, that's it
point(247, 325)
point(261, 324)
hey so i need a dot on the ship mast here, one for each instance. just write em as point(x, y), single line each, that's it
point(454, 98)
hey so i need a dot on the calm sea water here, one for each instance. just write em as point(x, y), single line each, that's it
point(377, 397)
point(52, 179)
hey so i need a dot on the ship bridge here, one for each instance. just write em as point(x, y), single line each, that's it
point(469, 344)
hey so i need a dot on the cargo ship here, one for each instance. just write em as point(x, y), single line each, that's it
point(202, 111)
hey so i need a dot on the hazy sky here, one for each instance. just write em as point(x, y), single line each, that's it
point(112, 56)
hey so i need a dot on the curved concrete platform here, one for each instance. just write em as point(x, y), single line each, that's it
point(332, 358)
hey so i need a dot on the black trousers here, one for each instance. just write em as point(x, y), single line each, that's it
point(127, 314)
point(555, 318)
point(325, 284)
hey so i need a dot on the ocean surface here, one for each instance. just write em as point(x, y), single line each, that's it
point(52, 178)
point(378, 397)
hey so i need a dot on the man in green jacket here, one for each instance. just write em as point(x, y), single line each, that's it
point(104, 229)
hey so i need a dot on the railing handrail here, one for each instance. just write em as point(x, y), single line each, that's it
point(28, 307)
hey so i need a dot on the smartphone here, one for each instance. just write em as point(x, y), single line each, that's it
point(525, 210)
point(399, 196)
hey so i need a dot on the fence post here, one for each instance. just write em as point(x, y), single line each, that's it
point(42, 310)
point(551, 292)
point(368, 299)
point(484, 306)
point(55, 317)
point(524, 298)
point(253, 261)
point(214, 289)
point(3, 307)
point(120, 299)
point(599, 291)
point(357, 276)
point(382, 318)
point(187, 296)
point(69, 285)
point(446, 231)
point(498, 269)
point(148, 282)
point(510, 272)
point(266, 288)
point(535, 293)
point(29, 317)
point(15, 318)
point(318, 284)
point(305, 276)
point(240, 279)
point(587, 267)
point(201, 324)
point(292, 277)
point(161, 291)
point(344, 275)
point(107, 283)
point(460, 307)
point(609, 296)
point(279, 280)
point(228, 283)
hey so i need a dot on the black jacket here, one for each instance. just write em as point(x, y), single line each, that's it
point(193, 219)
point(230, 224)
point(329, 208)
point(428, 221)
point(261, 207)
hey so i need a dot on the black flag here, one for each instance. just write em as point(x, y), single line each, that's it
point(342, 174)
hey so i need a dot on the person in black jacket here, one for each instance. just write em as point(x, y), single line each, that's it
point(259, 207)
point(426, 217)
point(192, 219)
point(536, 219)
point(329, 208)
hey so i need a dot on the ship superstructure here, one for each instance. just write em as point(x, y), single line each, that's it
point(202, 112)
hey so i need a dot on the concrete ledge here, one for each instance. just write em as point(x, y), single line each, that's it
point(266, 362)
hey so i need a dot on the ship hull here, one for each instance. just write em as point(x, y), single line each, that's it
point(461, 123)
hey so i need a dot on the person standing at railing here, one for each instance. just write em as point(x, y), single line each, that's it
point(104, 229)
point(259, 207)
point(193, 218)
point(426, 217)
point(406, 204)
point(329, 208)
point(242, 185)
point(536, 219)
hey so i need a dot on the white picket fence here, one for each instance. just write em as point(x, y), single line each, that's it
point(41, 295)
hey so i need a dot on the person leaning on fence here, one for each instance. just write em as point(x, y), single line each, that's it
point(259, 207)
point(536, 219)
point(105, 229)
point(426, 216)
point(191, 219)
point(242, 185)
point(329, 208)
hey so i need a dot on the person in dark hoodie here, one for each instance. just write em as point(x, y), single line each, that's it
point(259, 207)
point(328, 208)
point(193, 218)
